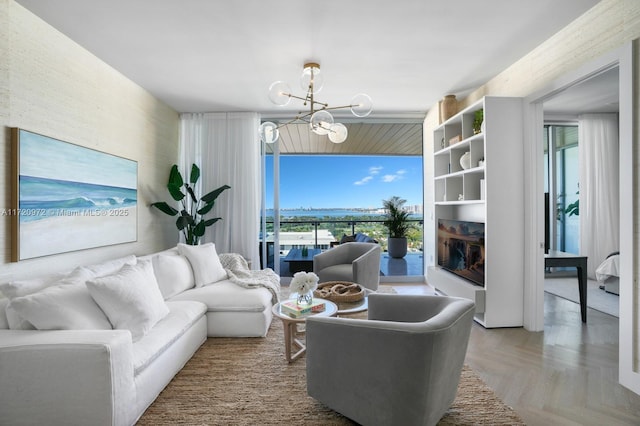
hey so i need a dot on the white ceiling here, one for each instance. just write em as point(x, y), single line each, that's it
point(213, 55)
point(597, 94)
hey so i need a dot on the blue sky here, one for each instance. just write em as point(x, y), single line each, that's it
point(345, 181)
point(41, 156)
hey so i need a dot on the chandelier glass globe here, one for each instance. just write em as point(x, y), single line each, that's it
point(279, 93)
point(312, 78)
point(321, 122)
point(269, 132)
point(338, 133)
point(361, 105)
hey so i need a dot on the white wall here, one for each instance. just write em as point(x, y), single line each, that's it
point(52, 86)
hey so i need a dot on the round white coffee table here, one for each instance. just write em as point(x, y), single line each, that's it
point(292, 334)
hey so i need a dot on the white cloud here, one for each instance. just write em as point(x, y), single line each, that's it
point(392, 178)
point(363, 181)
point(375, 170)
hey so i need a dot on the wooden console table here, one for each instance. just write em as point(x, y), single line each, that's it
point(561, 259)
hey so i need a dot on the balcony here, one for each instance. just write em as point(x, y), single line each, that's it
point(320, 234)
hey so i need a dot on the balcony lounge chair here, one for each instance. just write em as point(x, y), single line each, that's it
point(400, 367)
point(351, 262)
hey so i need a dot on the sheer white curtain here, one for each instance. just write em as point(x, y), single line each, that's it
point(599, 187)
point(226, 148)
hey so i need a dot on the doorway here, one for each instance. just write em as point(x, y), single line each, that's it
point(622, 59)
point(572, 131)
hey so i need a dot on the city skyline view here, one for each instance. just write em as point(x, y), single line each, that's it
point(331, 181)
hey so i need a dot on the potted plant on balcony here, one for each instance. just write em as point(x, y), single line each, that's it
point(191, 221)
point(397, 222)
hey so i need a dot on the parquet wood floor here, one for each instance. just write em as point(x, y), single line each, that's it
point(566, 375)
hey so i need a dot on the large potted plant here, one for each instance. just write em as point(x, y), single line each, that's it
point(397, 222)
point(191, 221)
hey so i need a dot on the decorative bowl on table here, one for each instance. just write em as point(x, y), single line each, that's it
point(340, 291)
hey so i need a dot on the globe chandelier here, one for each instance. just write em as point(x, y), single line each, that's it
point(320, 120)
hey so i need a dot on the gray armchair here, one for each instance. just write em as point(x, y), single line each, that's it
point(400, 367)
point(354, 262)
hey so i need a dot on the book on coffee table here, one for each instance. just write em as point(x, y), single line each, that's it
point(291, 308)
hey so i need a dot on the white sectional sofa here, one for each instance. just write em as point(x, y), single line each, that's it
point(97, 345)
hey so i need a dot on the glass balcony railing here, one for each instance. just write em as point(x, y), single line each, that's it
point(323, 234)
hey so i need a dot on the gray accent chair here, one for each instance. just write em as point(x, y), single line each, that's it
point(401, 366)
point(353, 262)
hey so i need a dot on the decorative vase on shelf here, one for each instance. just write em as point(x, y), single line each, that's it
point(465, 161)
point(448, 107)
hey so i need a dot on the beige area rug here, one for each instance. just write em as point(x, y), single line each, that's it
point(247, 381)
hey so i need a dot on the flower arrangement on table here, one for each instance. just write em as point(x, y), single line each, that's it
point(304, 283)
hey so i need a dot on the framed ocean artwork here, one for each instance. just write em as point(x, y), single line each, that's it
point(67, 197)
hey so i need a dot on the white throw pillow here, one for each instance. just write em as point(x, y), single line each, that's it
point(15, 321)
point(130, 298)
point(111, 266)
point(62, 307)
point(4, 324)
point(205, 263)
point(173, 273)
point(26, 287)
point(23, 287)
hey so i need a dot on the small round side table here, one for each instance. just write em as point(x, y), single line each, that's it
point(293, 336)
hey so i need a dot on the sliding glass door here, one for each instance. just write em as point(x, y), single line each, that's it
point(562, 186)
point(270, 217)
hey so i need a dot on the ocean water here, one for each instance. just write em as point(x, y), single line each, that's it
point(41, 198)
point(323, 213)
point(333, 213)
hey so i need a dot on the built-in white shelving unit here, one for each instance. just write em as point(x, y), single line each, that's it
point(489, 190)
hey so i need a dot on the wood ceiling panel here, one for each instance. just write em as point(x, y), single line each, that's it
point(384, 139)
point(363, 139)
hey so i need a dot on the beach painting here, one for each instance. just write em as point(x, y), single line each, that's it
point(68, 197)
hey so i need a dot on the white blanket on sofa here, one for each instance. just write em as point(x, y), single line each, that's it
point(240, 274)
